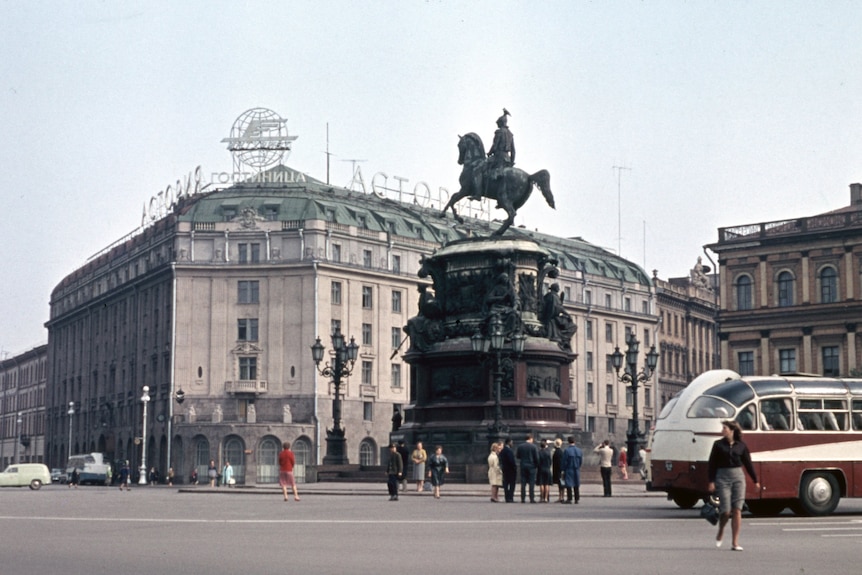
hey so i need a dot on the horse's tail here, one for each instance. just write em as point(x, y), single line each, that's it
point(542, 179)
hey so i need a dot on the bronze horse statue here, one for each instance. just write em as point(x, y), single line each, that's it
point(510, 186)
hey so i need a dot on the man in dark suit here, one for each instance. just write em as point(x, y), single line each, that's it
point(528, 455)
point(510, 471)
point(394, 469)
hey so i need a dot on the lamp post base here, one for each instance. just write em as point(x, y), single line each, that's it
point(336, 448)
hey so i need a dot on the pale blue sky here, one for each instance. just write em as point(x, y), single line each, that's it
point(726, 112)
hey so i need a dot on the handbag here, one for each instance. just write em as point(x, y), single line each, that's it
point(231, 481)
point(710, 510)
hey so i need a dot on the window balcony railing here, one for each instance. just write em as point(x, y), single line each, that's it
point(246, 386)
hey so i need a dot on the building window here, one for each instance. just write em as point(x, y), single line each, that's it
point(609, 363)
point(396, 337)
point(588, 325)
point(645, 307)
point(367, 411)
point(248, 291)
point(366, 258)
point(366, 372)
point(396, 301)
point(830, 360)
point(591, 424)
point(248, 368)
point(335, 293)
point(330, 215)
point(362, 222)
point(270, 213)
point(588, 297)
point(249, 253)
point(396, 264)
point(567, 291)
point(590, 398)
point(787, 360)
point(367, 297)
point(629, 396)
point(828, 285)
point(334, 325)
point(228, 214)
point(608, 301)
point(627, 304)
point(785, 289)
point(609, 394)
point(743, 293)
point(366, 334)
point(247, 329)
point(336, 253)
point(612, 426)
point(745, 360)
point(396, 375)
point(367, 451)
point(609, 332)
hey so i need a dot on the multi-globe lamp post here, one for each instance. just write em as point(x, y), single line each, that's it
point(145, 399)
point(341, 367)
point(633, 379)
point(71, 414)
point(494, 346)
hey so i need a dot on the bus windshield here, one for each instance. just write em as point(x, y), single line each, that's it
point(706, 406)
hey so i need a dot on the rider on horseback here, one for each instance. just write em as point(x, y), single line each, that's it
point(500, 156)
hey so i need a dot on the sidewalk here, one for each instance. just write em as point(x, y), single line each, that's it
point(620, 488)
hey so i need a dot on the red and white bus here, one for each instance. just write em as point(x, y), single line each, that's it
point(804, 434)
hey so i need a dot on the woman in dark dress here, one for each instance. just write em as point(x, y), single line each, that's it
point(438, 467)
point(543, 477)
point(556, 468)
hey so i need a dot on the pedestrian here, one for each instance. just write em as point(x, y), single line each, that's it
point(154, 476)
point(286, 461)
point(528, 458)
point(623, 462)
point(642, 462)
point(227, 475)
point(212, 473)
point(438, 467)
point(606, 455)
point(125, 476)
point(170, 475)
point(726, 478)
point(510, 471)
point(193, 478)
point(419, 457)
point(74, 478)
point(572, 459)
point(495, 472)
point(394, 471)
point(402, 451)
point(556, 469)
point(543, 476)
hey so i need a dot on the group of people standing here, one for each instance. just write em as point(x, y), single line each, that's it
point(538, 466)
point(437, 466)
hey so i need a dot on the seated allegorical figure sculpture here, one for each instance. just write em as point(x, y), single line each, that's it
point(559, 326)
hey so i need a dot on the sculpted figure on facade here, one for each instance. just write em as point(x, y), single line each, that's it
point(559, 326)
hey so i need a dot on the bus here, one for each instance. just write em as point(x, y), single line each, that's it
point(92, 468)
point(804, 434)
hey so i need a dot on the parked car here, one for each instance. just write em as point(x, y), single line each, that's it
point(33, 475)
point(58, 475)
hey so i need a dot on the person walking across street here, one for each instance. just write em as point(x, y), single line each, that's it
point(438, 467)
point(286, 480)
point(125, 474)
point(394, 471)
point(528, 458)
point(572, 459)
point(606, 455)
point(623, 463)
point(419, 457)
point(727, 459)
point(510, 471)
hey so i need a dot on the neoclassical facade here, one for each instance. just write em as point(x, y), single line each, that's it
point(22, 407)
point(222, 298)
point(792, 292)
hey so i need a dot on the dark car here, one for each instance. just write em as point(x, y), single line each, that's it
point(58, 475)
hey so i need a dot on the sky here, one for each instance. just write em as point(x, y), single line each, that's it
point(719, 113)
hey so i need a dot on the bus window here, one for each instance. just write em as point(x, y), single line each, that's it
point(775, 414)
point(668, 407)
point(705, 406)
point(746, 418)
point(857, 414)
point(822, 414)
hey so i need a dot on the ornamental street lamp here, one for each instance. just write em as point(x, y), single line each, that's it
point(633, 378)
point(145, 399)
point(17, 439)
point(71, 413)
point(494, 347)
point(342, 366)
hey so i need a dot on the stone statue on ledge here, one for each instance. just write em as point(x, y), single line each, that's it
point(559, 326)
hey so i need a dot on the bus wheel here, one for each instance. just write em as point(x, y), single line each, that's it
point(684, 500)
point(35, 485)
point(819, 494)
point(766, 507)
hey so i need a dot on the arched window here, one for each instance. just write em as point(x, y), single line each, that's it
point(828, 285)
point(367, 451)
point(785, 289)
point(302, 451)
point(201, 457)
point(743, 292)
point(234, 452)
point(267, 460)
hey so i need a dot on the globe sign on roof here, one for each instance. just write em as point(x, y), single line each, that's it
point(259, 139)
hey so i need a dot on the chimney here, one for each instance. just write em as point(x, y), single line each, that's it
point(855, 194)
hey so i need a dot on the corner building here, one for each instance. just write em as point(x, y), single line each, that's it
point(222, 299)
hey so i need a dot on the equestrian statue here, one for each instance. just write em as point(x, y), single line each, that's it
point(494, 176)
